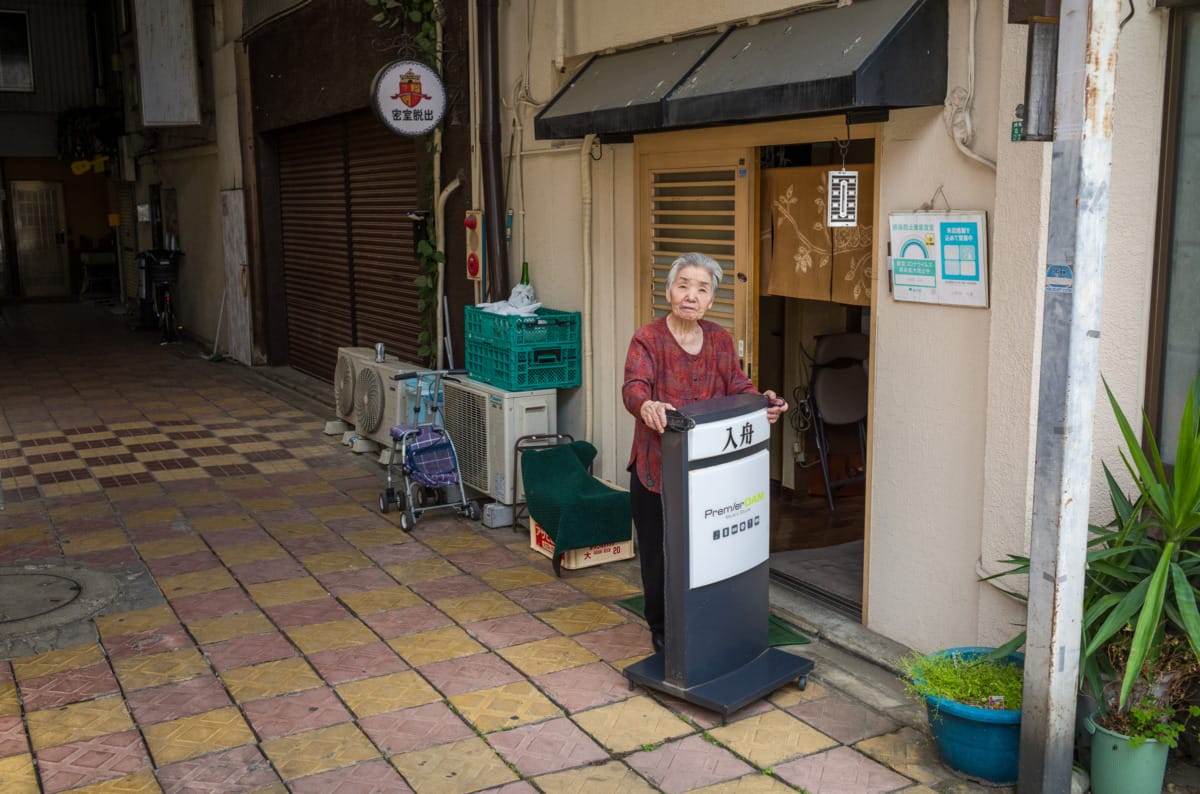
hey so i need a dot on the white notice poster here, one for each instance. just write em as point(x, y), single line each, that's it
point(730, 520)
point(940, 257)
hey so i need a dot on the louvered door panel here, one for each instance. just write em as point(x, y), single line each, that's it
point(313, 220)
point(383, 190)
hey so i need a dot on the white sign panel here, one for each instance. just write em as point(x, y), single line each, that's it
point(730, 518)
point(720, 438)
point(940, 257)
point(167, 64)
point(408, 97)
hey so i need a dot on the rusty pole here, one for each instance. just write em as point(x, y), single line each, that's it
point(1074, 274)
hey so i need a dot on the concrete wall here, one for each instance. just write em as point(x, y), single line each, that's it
point(955, 389)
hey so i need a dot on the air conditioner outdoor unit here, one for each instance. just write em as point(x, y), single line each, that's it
point(366, 396)
point(485, 422)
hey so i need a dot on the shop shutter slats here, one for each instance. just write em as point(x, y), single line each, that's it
point(383, 189)
point(313, 216)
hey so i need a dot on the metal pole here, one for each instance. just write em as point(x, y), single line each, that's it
point(1079, 187)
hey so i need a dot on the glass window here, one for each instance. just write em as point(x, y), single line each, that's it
point(1181, 339)
point(16, 67)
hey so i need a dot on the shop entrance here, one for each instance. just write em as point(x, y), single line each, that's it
point(813, 330)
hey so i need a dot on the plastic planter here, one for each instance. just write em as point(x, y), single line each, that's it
point(1120, 768)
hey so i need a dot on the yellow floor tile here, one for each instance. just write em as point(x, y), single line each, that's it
point(73, 658)
point(755, 783)
point(10, 704)
point(186, 584)
point(69, 489)
point(125, 623)
point(377, 537)
point(771, 738)
point(484, 606)
point(503, 707)
point(457, 768)
point(334, 561)
point(170, 548)
point(286, 591)
point(422, 570)
point(613, 777)
point(330, 636)
point(907, 751)
point(383, 599)
point(454, 544)
point(162, 515)
point(517, 576)
point(179, 740)
point(77, 722)
point(343, 510)
point(222, 523)
point(198, 498)
point(580, 618)
point(251, 552)
point(140, 783)
point(386, 693)
point(17, 775)
point(604, 585)
point(547, 656)
point(790, 695)
point(270, 679)
point(298, 529)
point(264, 505)
point(170, 475)
point(143, 672)
point(308, 488)
point(313, 752)
point(95, 541)
point(17, 537)
point(226, 628)
point(628, 725)
point(437, 645)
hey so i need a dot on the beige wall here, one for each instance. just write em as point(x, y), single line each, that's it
point(955, 390)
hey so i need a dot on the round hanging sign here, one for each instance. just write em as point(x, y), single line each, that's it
point(408, 97)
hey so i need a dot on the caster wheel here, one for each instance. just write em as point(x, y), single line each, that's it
point(384, 503)
point(431, 496)
point(802, 683)
point(406, 521)
point(473, 510)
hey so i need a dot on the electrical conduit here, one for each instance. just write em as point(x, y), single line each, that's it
point(585, 200)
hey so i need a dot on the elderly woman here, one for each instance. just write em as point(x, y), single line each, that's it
point(676, 360)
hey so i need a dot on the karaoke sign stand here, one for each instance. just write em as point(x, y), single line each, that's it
point(717, 509)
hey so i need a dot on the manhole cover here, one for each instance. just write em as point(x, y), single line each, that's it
point(29, 595)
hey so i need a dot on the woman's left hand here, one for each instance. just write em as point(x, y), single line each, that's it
point(776, 406)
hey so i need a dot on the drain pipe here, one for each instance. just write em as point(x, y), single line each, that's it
point(440, 230)
point(489, 147)
point(585, 198)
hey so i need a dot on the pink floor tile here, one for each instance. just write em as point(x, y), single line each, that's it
point(235, 771)
point(173, 701)
point(410, 620)
point(6, 673)
point(106, 559)
point(236, 537)
point(619, 642)
point(12, 737)
point(70, 686)
point(151, 532)
point(353, 664)
point(302, 711)
point(485, 559)
point(373, 777)
point(547, 747)
point(160, 640)
point(344, 582)
point(450, 587)
point(81, 763)
point(546, 596)
point(41, 551)
point(469, 673)
point(397, 553)
point(268, 571)
point(315, 544)
point(688, 764)
point(274, 518)
point(183, 563)
point(211, 605)
point(304, 613)
point(511, 630)
point(245, 651)
point(580, 688)
point(843, 719)
point(710, 719)
point(840, 771)
point(415, 729)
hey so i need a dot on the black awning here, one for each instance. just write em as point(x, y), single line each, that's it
point(871, 54)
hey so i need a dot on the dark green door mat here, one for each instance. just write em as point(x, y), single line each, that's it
point(778, 632)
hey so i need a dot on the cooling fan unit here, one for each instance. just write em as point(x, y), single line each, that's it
point(369, 399)
point(343, 386)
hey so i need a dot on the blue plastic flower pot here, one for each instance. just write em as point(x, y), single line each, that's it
point(979, 742)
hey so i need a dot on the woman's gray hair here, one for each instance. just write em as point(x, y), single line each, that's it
point(695, 259)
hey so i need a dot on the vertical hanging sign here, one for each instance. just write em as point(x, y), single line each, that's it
point(843, 198)
point(408, 97)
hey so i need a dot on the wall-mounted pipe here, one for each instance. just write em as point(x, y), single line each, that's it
point(440, 221)
point(585, 200)
point(489, 147)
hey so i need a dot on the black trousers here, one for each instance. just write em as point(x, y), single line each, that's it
point(648, 520)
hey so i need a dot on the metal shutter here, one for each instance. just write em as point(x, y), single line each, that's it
point(312, 193)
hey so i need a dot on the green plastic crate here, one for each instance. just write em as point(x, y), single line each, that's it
point(545, 366)
point(547, 326)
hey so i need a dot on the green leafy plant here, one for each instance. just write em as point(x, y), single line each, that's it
point(421, 15)
point(429, 259)
point(981, 681)
point(1141, 566)
point(1154, 709)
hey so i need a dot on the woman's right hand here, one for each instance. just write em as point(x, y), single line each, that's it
point(654, 414)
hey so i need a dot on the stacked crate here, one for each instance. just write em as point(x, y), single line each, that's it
point(521, 352)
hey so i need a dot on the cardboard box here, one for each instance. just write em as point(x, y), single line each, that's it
point(581, 558)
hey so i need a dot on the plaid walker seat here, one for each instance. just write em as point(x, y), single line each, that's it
point(426, 457)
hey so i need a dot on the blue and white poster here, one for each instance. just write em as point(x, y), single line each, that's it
point(939, 257)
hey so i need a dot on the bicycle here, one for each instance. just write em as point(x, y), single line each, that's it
point(164, 310)
point(159, 269)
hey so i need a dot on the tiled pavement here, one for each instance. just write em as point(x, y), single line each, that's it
point(302, 642)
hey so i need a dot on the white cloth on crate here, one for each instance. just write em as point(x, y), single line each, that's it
point(521, 301)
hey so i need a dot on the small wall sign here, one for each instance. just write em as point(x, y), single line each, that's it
point(940, 257)
point(408, 97)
